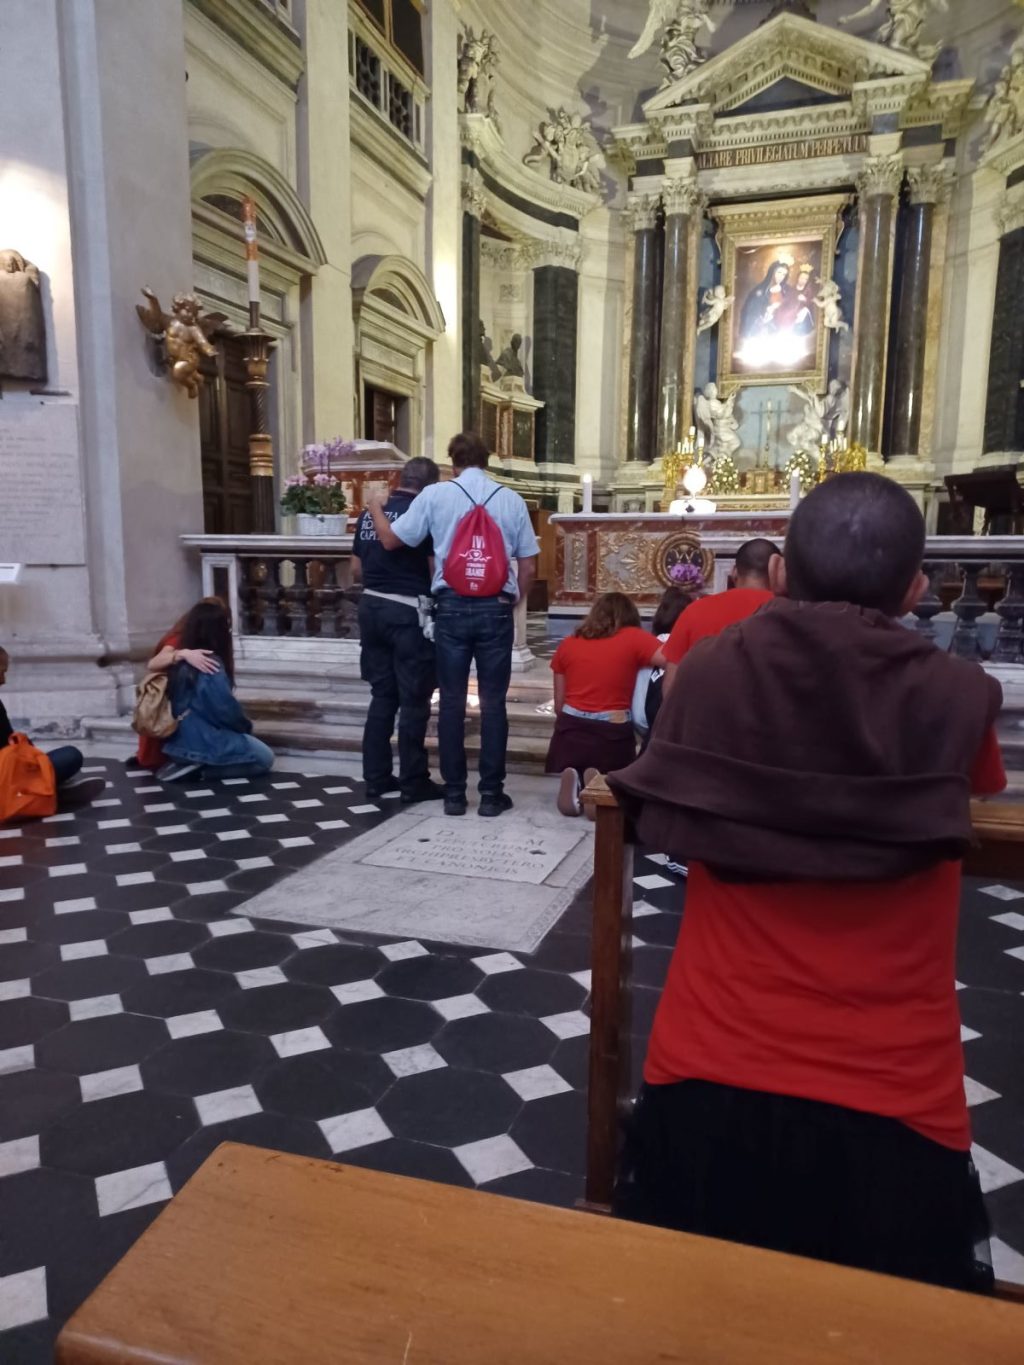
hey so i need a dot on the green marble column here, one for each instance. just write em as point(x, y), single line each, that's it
point(878, 186)
point(643, 360)
point(926, 185)
point(472, 210)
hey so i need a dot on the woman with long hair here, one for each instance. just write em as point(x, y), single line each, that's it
point(150, 753)
point(214, 733)
point(595, 674)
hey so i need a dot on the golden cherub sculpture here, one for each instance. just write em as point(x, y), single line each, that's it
point(184, 334)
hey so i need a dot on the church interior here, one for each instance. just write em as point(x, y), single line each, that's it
point(680, 263)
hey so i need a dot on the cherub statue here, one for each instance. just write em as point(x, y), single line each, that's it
point(682, 20)
point(715, 303)
point(829, 300)
point(809, 432)
point(478, 57)
point(718, 421)
point(902, 26)
point(184, 333)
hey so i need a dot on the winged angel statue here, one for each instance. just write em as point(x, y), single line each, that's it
point(903, 23)
point(184, 334)
point(682, 20)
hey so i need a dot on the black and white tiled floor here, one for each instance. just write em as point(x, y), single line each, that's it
point(142, 1023)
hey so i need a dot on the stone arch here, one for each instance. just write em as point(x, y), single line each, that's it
point(233, 173)
point(401, 285)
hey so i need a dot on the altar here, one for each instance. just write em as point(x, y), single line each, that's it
point(635, 554)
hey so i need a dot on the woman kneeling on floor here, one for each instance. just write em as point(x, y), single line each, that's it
point(214, 734)
point(595, 674)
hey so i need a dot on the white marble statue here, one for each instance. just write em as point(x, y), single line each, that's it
point(837, 409)
point(714, 305)
point(478, 59)
point(717, 420)
point(1004, 113)
point(570, 151)
point(829, 300)
point(903, 24)
point(809, 431)
point(682, 21)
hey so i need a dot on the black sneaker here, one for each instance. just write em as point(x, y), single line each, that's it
point(79, 792)
point(455, 803)
point(495, 805)
point(375, 793)
point(423, 791)
point(177, 772)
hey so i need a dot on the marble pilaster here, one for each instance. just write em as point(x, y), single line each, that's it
point(642, 214)
point(878, 186)
point(927, 185)
point(472, 210)
point(681, 198)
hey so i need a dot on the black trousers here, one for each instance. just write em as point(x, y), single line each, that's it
point(806, 1178)
point(398, 663)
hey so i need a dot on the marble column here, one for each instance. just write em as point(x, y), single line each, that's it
point(556, 292)
point(1004, 408)
point(878, 186)
point(681, 198)
point(642, 215)
point(472, 212)
point(926, 186)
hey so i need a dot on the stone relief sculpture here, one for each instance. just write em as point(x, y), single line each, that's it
point(478, 63)
point(717, 419)
point(682, 21)
point(903, 24)
point(1004, 113)
point(184, 334)
point(837, 409)
point(829, 300)
point(22, 328)
point(825, 416)
point(569, 150)
point(714, 305)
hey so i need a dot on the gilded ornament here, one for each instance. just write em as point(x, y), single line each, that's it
point(183, 336)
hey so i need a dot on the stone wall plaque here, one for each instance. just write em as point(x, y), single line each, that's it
point(42, 517)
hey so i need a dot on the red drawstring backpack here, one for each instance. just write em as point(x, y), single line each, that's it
point(476, 564)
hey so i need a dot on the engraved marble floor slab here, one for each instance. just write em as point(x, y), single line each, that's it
point(490, 883)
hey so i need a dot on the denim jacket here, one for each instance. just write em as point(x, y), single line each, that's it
point(212, 725)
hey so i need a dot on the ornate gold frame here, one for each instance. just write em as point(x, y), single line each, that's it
point(764, 224)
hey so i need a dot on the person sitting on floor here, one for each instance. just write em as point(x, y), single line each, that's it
point(72, 790)
point(804, 1085)
point(595, 674)
point(214, 734)
point(748, 591)
point(169, 652)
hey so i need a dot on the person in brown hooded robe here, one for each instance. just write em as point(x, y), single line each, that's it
point(814, 763)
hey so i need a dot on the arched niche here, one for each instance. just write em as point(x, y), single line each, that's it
point(397, 321)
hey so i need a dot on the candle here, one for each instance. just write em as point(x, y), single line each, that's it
point(588, 494)
point(252, 251)
point(700, 442)
point(794, 491)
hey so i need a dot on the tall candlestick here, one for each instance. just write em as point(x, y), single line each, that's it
point(588, 494)
point(257, 381)
point(252, 258)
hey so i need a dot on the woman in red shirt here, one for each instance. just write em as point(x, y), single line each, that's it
point(595, 674)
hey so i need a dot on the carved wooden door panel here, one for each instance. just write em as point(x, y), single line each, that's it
point(224, 424)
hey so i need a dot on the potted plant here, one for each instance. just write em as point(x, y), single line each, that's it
point(317, 502)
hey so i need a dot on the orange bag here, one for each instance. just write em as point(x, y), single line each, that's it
point(28, 786)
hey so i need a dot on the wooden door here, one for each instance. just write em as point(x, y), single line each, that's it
point(224, 425)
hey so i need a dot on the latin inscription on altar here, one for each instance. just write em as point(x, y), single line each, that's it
point(42, 520)
point(437, 845)
point(765, 153)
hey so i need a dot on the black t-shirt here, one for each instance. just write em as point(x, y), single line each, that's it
point(404, 572)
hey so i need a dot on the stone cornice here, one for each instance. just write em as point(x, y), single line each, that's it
point(254, 28)
point(1010, 214)
point(532, 253)
point(1006, 156)
point(481, 136)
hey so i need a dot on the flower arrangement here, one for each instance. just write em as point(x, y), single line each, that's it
point(725, 477)
point(320, 455)
point(687, 576)
point(316, 492)
point(807, 466)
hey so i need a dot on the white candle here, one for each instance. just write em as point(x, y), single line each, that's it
point(252, 251)
point(588, 494)
point(794, 492)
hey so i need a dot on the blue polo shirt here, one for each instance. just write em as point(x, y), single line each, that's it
point(439, 509)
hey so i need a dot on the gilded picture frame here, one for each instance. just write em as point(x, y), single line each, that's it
point(775, 257)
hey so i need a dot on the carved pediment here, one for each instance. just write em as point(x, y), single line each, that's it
point(785, 51)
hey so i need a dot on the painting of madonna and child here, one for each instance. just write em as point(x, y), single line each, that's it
point(776, 321)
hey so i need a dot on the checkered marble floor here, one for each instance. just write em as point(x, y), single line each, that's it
point(142, 1023)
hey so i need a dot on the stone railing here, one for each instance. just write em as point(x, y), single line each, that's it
point(975, 602)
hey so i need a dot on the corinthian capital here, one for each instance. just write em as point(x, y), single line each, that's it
point(880, 175)
point(681, 196)
point(929, 184)
point(473, 200)
point(642, 211)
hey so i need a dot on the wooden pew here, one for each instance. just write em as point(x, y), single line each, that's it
point(999, 855)
point(268, 1259)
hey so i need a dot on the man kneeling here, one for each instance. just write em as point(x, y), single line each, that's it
point(814, 766)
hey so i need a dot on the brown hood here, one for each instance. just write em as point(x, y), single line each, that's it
point(813, 741)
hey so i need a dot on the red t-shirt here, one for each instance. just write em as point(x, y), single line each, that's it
point(600, 675)
point(710, 616)
point(838, 992)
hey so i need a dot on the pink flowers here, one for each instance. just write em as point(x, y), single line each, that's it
point(687, 576)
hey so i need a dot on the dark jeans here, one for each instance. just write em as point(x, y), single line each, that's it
point(66, 761)
point(398, 663)
point(468, 631)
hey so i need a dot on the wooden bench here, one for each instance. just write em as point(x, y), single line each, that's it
point(267, 1259)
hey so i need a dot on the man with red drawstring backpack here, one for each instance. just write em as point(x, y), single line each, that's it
point(485, 557)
